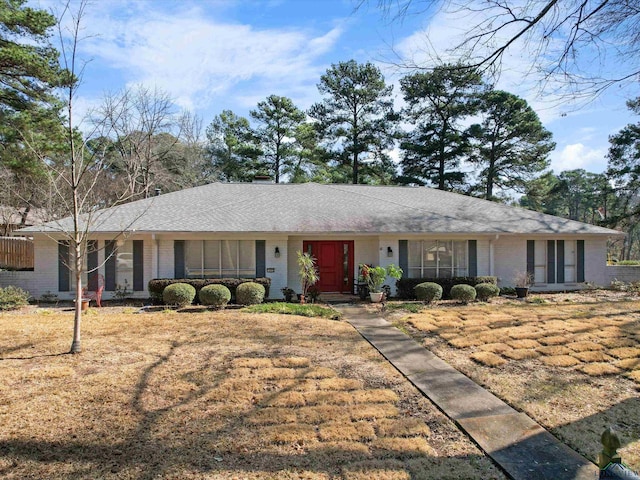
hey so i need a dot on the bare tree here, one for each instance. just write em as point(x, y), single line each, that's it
point(76, 173)
point(141, 122)
point(579, 47)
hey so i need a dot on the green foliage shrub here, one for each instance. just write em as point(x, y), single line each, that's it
point(157, 285)
point(405, 286)
point(508, 291)
point(485, 291)
point(181, 294)
point(13, 297)
point(428, 292)
point(463, 293)
point(214, 295)
point(250, 293)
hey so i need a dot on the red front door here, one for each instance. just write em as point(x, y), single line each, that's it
point(335, 264)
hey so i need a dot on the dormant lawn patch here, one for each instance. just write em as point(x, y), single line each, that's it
point(214, 395)
point(574, 368)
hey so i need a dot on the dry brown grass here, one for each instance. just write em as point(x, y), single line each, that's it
point(489, 359)
point(575, 368)
point(214, 395)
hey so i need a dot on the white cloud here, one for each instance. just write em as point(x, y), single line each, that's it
point(434, 44)
point(577, 155)
point(198, 59)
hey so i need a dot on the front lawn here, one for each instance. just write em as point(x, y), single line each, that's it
point(574, 368)
point(216, 395)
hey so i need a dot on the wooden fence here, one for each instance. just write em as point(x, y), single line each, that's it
point(16, 253)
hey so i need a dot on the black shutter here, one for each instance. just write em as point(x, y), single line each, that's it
point(580, 259)
point(63, 266)
point(473, 258)
point(560, 261)
point(138, 265)
point(110, 266)
point(551, 261)
point(403, 257)
point(261, 259)
point(531, 261)
point(178, 259)
point(92, 265)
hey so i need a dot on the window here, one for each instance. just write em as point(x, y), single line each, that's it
point(554, 261)
point(124, 264)
point(220, 258)
point(437, 258)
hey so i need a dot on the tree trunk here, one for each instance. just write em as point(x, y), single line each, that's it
point(77, 319)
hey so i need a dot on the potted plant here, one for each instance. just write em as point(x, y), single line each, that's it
point(288, 294)
point(523, 281)
point(375, 277)
point(308, 273)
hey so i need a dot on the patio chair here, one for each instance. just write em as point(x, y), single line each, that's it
point(97, 287)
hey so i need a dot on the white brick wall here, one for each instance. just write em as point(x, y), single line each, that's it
point(279, 265)
point(623, 273)
point(45, 271)
point(509, 255)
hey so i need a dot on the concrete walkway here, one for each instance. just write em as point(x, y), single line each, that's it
point(523, 449)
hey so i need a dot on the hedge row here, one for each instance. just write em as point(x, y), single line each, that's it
point(157, 285)
point(405, 286)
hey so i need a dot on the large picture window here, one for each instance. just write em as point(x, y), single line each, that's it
point(437, 258)
point(220, 258)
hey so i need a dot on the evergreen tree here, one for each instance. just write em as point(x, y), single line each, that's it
point(356, 115)
point(233, 149)
point(510, 146)
point(278, 119)
point(437, 103)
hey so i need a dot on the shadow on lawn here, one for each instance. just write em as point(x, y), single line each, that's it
point(178, 437)
point(23, 346)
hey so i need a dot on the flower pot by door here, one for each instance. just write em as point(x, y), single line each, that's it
point(376, 297)
point(522, 292)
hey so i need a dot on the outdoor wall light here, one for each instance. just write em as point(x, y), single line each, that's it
point(277, 252)
point(389, 252)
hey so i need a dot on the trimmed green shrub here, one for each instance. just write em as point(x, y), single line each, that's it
point(405, 286)
point(157, 285)
point(428, 292)
point(508, 291)
point(214, 295)
point(181, 294)
point(627, 262)
point(250, 293)
point(13, 297)
point(485, 291)
point(463, 293)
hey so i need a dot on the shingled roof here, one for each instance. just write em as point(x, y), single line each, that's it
point(316, 208)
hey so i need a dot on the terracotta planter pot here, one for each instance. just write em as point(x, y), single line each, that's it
point(376, 297)
point(84, 305)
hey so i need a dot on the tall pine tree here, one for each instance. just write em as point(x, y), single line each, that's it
point(437, 103)
point(356, 116)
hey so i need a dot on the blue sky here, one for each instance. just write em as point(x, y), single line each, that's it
point(211, 55)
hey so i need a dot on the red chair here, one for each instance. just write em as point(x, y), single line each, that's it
point(98, 285)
